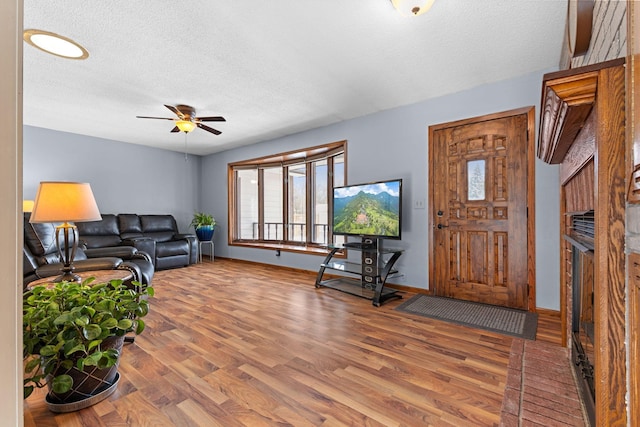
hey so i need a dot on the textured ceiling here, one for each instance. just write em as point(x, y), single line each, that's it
point(271, 68)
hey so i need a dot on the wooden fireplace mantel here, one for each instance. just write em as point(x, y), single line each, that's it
point(582, 128)
point(567, 104)
point(567, 100)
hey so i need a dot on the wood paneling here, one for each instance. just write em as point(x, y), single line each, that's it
point(239, 344)
point(579, 192)
point(581, 151)
point(610, 369)
point(604, 180)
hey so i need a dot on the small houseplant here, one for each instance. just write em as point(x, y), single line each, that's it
point(74, 331)
point(203, 223)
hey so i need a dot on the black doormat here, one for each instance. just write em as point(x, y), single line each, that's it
point(508, 321)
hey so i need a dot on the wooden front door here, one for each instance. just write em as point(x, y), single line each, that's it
point(478, 194)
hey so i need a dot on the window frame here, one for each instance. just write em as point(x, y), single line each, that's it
point(306, 156)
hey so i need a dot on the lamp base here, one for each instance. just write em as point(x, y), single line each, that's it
point(68, 276)
point(67, 251)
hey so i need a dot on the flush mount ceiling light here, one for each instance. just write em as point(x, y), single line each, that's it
point(412, 7)
point(55, 44)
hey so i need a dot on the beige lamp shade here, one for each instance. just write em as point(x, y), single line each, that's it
point(412, 7)
point(27, 205)
point(64, 202)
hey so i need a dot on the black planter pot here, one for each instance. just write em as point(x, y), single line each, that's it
point(205, 232)
point(90, 385)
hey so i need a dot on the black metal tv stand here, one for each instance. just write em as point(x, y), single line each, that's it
point(365, 279)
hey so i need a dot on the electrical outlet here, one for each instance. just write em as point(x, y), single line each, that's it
point(418, 204)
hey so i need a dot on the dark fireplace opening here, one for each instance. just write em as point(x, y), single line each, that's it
point(582, 320)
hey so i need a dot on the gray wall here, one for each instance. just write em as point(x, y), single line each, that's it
point(393, 144)
point(125, 178)
point(389, 144)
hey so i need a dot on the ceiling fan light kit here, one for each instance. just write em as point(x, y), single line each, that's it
point(185, 126)
point(412, 7)
point(187, 121)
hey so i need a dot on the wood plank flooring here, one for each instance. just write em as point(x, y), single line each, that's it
point(230, 343)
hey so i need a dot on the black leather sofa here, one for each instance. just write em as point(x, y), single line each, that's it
point(156, 235)
point(40, 257)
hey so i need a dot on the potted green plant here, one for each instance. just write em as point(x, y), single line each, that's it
point(73, 335)
point(204, 224)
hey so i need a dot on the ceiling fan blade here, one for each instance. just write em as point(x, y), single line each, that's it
point(175, 129)
point(159, 118)
point(175, 111)
point(208, 129)
point(211, 119)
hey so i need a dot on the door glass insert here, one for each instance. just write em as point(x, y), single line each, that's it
point(476, 180)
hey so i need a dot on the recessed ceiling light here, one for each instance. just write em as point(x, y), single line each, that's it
point(55, 44)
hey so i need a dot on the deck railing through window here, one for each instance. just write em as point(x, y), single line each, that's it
point(297, 231)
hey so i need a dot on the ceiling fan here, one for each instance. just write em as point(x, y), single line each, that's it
point(187, 120)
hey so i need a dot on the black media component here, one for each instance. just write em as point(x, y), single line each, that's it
point(365, 279)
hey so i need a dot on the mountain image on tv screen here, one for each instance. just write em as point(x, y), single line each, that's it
point(367, 209)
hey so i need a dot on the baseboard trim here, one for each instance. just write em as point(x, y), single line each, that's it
point(402, 288)
point(410, 289)
point(283, 267)
point(548, 312)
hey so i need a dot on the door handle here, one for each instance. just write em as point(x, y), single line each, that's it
point(440, 226)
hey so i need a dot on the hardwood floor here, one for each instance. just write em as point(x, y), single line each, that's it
point(230, 343)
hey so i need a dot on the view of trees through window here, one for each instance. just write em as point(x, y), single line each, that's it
point(285, 198)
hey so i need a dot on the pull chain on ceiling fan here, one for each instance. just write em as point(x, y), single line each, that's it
point(186, 155)
point(187, 121)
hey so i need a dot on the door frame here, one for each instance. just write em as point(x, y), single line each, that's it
point(531, 187)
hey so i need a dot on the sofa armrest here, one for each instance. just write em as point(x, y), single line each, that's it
point(193, 245)
point(142, 244)
point(188, 236)
point(124, 252)
point(142, 256)
point(103, 263)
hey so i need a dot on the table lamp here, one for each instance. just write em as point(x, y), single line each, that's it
point(27, 206)
point(65, 202)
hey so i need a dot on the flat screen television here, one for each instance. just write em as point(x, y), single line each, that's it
point(368, 210)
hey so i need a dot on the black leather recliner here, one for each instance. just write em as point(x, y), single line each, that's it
point(41, 259)
point(102, 239)
point(156, 235)
point(172, 248)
